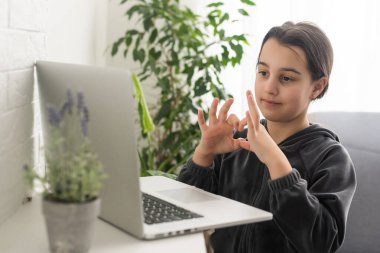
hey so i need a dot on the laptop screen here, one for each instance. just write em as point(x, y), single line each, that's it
point(108, 93)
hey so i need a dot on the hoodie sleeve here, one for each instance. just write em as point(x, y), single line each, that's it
point(202, 177)
point(312, 214)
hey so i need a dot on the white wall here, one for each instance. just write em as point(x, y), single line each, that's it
point(22, 41)
point(71, 31)
point(56, 30)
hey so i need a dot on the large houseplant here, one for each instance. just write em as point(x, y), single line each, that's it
point(72, 180)
point(183, 54)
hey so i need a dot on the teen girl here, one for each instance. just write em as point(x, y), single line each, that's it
point(284, 164)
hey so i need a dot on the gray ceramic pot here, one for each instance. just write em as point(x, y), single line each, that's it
point(70, 226)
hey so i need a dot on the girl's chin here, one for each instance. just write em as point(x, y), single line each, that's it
point(273, 116)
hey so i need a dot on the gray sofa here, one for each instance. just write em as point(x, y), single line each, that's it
point(360, 133)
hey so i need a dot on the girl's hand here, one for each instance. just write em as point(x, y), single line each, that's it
point(217, 135)
point(261, 143)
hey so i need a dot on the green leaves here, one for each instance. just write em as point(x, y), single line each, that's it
point(146, 122)
point(148, 24)
point(153, 36)
point(139, 55)
point(116, 45)
point(135, 9)
point(200, 87)
point(243, 12)
point(248, 2)
point(238, 49)
point(217, 4)
point(184, 54)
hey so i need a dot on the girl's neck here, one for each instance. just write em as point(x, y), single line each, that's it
point(279, 131)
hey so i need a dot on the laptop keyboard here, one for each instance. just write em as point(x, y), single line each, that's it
point(158, 211)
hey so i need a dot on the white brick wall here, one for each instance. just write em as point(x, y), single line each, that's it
point(22, 42)
point(19, 49)
point(30, 15)
point(20, 94)
point(3, 13)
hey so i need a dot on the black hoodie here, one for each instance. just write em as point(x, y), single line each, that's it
point(309, 206)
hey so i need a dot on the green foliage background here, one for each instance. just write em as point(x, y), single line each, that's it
point(174, 47)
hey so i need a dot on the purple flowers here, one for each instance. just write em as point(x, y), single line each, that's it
point(82, 109)
point(68, 105)
point(56, 115)
point(74, 174)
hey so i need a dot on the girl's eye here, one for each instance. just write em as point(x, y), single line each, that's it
point(286, 79)
point(263, 73)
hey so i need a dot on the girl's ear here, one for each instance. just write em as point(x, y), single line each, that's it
point(319, 86)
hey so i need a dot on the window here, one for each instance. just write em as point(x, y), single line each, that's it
point(354, 31)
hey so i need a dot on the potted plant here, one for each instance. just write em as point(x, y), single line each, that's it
point(72, 180)
point(183, 54)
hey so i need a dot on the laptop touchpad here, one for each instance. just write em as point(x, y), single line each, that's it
point(187, 195)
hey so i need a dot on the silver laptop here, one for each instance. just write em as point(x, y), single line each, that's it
point(108, 94)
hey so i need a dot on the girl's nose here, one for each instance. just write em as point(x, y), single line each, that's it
point(271, 86)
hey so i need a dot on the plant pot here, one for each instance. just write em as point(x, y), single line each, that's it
point(70, 226)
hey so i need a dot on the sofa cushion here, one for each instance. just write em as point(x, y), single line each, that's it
point(359, 133)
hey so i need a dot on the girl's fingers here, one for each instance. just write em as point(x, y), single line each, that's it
point(253, 110)
point(224, 110)
point(233, 120)
point(201, 120)
point(213, 109)
point(242, 124)
point(244, 144)
point(236, 144)
point(250, 123)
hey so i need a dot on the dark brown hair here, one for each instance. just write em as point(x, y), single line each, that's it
point(312, 40)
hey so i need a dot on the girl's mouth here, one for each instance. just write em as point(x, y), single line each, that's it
point(270, 102)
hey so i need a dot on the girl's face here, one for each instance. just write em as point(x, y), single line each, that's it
point(283, 86)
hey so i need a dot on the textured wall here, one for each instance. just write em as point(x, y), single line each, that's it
point(22, 42)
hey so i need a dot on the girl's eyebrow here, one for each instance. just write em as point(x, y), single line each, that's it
point(283, 69)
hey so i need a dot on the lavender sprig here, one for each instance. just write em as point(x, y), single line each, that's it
point(80, 101)
point(84, 121)
point(83, 113)
point(69, 103)
point(54, 116)
point(73, 172)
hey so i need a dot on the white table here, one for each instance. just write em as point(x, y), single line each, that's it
point(25, 232)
